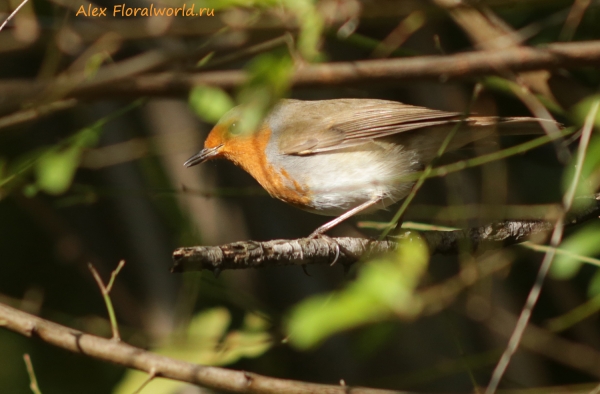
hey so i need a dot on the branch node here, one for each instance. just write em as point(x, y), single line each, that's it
point(30, 330)
point(249, 378)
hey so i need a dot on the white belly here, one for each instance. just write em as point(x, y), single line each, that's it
point(340, 181)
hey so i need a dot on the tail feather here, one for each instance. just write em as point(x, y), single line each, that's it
point(515, 125)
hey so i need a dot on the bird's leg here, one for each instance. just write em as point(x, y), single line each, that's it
point(329, 225)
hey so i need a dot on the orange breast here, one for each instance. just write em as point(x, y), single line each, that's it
point(248, 152)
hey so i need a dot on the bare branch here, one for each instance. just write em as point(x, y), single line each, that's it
point(131, 357)
point(252, 254)
point(347, 251)
point(441, 68)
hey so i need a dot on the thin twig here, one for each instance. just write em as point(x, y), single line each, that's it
point(33, 381)
point(105, 290)
point(562, 252)
point(526, 244)
point(490, 157)
point(537, 339)
point(36, 113)
point(151, 376)
point(114, 274)
point(574, 19)
point(574, 316)
point(555, 240)
point(409, 25)
point(247, 52)
point(12, 14)
point(522, 91)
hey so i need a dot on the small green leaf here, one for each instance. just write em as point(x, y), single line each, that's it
point(590, 173)
point(580, 111)
point(205, 59)
point(94, 63)
point(594, 286)
point(269, 81)
point(30, 190)
point(210, 103)
point(385, 287)
point(55, 170)
point(86, 138)
point(583, 242)
point(311, 27)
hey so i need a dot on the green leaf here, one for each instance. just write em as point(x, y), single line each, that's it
point(94, 63)
point(30, 190)
point(594, 286)
point(311, 27)
point(580, 111)
point(55, 167)
point(86, 138)
point(590, 173)
point(384, 288)
point(210, 103)
point(55, 170)
point(205, 59)
point(583, 242)
point(270, 77)
point(207, 343)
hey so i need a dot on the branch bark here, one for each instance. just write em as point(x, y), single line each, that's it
point(347, 251)
point(131, 357)
point(441, 68)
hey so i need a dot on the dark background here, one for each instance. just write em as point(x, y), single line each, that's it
point(132, 199)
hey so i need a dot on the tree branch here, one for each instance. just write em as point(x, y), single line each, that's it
point(462, 65)
point(131, 357)
point(347, 251)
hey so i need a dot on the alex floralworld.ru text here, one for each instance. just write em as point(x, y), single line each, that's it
point(123, 10)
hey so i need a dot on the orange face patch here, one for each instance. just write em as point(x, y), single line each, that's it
point(248, 152)
point(215, 137)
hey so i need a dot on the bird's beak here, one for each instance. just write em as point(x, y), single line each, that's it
point(203, 155)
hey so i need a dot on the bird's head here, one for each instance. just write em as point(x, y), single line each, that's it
point(229, 140)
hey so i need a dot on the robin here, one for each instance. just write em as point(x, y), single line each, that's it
point(345, 156)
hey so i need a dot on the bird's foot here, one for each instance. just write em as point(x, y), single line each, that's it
point(330, 241)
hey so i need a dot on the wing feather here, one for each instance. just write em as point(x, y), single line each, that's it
point(348, 125)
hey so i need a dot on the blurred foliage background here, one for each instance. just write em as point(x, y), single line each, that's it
point(99, 178)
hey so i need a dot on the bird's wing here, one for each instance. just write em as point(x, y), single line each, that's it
point(346, 124)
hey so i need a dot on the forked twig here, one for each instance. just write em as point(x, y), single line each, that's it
point(105, 290)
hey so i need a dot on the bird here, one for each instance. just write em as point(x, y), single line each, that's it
point(341, 157)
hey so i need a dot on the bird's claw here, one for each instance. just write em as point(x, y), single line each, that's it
point(330, 241)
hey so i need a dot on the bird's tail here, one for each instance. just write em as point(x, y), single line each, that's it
point(516, 125)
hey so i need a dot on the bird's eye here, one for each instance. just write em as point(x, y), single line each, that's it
point(234, 129)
